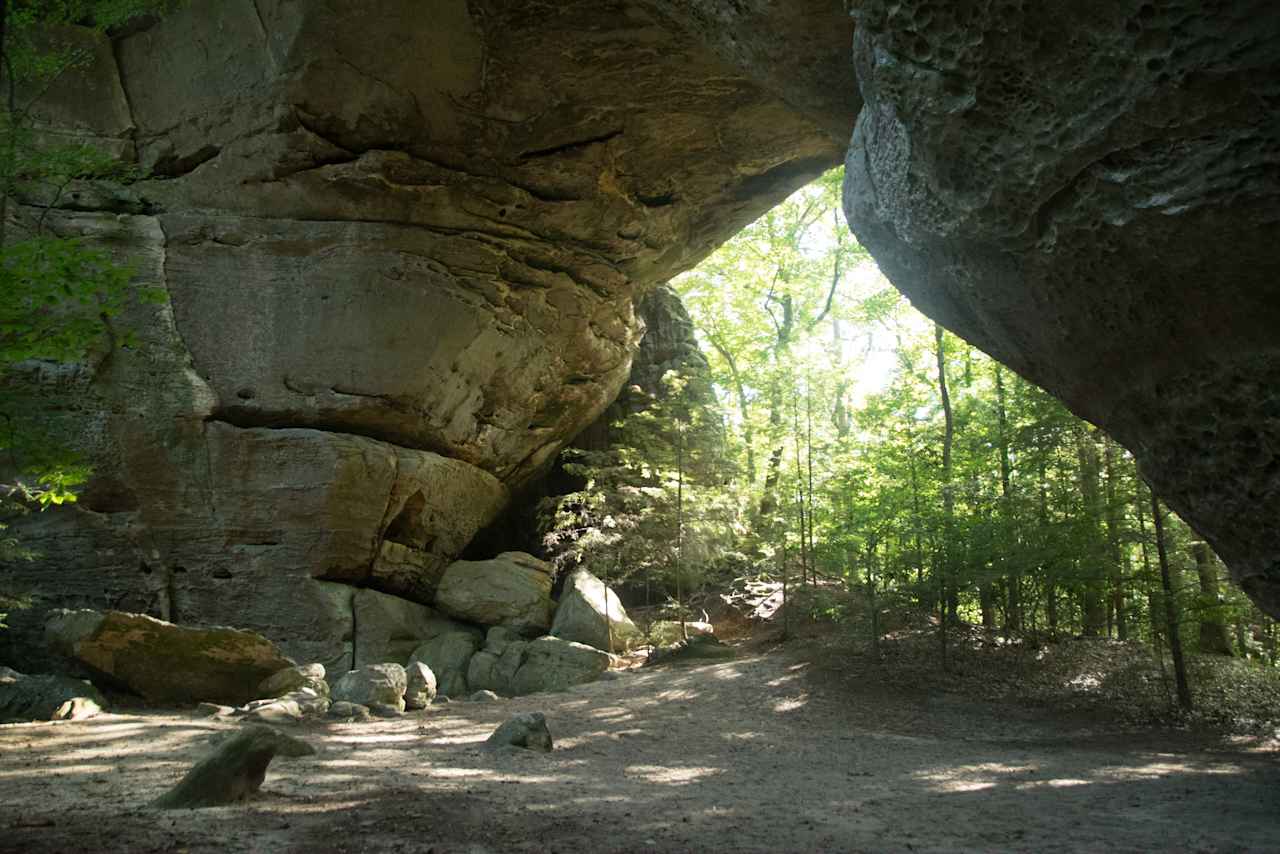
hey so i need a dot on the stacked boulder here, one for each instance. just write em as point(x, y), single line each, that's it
point(492, 626)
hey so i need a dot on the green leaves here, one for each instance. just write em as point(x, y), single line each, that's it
point(56, 295)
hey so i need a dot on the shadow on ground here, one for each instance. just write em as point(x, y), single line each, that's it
point(749, 755)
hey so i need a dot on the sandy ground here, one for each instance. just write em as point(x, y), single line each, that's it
point(757, 754)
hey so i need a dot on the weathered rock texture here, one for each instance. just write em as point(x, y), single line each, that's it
point(400, 252)
point(234, 771)
point(589, 612)
point(448, 655)
point(1093, 197)
point(373, 685)
point(46, 697)
point(528, 731)
point(511, 666)
point(164, 662)
point(512, 590)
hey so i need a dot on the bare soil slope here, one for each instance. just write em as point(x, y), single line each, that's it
point(754, 754)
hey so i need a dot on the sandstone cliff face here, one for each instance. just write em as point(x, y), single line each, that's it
point(400, 252)
point(1093, 197)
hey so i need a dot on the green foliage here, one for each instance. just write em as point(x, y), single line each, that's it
point(834, 437)
point(58, 295)
point(652, 507)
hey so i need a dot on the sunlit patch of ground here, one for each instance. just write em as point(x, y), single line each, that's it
point(757, 754)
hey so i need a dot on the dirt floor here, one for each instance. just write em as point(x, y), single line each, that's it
point(763, 753)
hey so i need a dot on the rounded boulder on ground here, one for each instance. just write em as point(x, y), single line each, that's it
point(373, 685)
point(527, 730)
point(421, 686)
point(590, 613)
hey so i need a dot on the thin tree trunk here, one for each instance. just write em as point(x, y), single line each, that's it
point(1147, 572)
point(1094, 616)
point(800, 508)
point(1050, 572)
point(871, 597)
point(768, 501)
point(1115, 556)
point(740, 392)
point(946, 582)
point(808, 406)
point(1170, 608)
point(1214, 638)
point(918, 523)
point(1013, 578)
point(684, 631)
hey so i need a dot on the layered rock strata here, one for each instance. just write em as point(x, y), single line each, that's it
point(399, 254)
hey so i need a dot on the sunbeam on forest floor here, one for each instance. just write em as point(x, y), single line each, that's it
point(750, 755)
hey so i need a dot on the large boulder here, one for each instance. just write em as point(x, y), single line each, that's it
point(494, 668)
point(512, 590)
point(449, 655)
point(389, 628)
point(552, 664)
point(590, 613)
point(374, 685)
point(167, 663)
point(511, 666)
point(46, 697)
point(1091, 197)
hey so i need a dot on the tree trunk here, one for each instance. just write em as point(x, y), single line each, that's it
point(1170, 608)
point(684, 631)
point(808, 450)
point(1013, 578)
point(769, 500)
point(1115, 556)
point(871, 598)
point(1094, 616)
point(740, 392)
point(1147, 572)
point(987, 603)
point(946, 606)
point(800, 508)
point(1050, 575)
point(1214, 637)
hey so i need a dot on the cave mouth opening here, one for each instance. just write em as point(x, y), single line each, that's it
point(790, 412)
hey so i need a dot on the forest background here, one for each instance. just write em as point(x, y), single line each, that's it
point(837, 441)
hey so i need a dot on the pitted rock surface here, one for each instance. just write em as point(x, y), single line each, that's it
point(1093, 198)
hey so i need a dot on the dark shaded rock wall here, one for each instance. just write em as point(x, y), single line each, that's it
point(401, 244)
point(1092, 196)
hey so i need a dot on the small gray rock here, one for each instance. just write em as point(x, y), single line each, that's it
point(349, 711)
point(290, 679)
point(528, 731)
point(484, 697)
point(384, 710)
point(213, 710)
point(275, 712)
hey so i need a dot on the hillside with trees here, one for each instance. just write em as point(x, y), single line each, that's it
point(872, 463)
